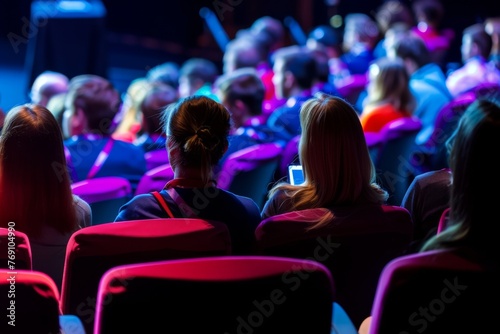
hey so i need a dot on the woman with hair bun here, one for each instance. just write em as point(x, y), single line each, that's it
point(197, 129)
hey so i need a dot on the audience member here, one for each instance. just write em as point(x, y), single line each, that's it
point(46, 85)
point(273, 28)
point(197, 128)
point(323, 82)
point(475, 50)
point(472, 203)
point(327, 38)
point(35, 190)
point(338, 170)
point(91, 105)
point(492, 28)
point(294, 74)
point(127, 119)
point(426, 198)
point(388, 94)
point(167, 73)
point(429, 15)
point(242, 93)
point(151, 136)
point(387, 15)
point(196, 77)
point(360, 37)
point(427, 82)
point(251, 50)
point(395, 32)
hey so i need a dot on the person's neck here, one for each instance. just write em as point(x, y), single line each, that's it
point(190, 175)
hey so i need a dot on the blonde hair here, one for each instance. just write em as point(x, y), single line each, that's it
point(338, 170)
point(390, 83)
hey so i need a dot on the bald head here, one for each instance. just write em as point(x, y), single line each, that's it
point(46, 85)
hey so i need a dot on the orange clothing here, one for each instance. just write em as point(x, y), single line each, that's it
point(374, 118)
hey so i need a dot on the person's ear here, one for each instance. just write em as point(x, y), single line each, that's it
point(78, 122)
point(240, 105)
point(289, 80)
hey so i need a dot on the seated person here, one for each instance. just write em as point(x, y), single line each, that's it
point(331, 145)
point(166, 73)
point(475, 50)
point(294, 74)
point(91, 105)
point(35, 188)
point(361, 34)
point(388, 94)
point(196, 77)
point(46, 85)
point(151, 136)
point(197, 128)
point(426, 198)
point(242, 93)
point(127, 119)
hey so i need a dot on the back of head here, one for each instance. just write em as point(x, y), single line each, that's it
point(299, 62)
point(197, 127)
point(33, 174)
point(194, 73)
point(391, 12)
point(477, 35)
point(412, 47)
point(478, 130)
point(167, 73)
point(389, 82)
point(199, 69)
point(360, 27)
point(334, 153)
point(246, 51)
point(46, 85)
point(243, 84)
point(429, 11)
point(272, 27)
point(97, 98)
point(473, 204)
point(156, 99)
point(325, 35)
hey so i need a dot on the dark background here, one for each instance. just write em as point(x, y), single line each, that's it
point(140, 34)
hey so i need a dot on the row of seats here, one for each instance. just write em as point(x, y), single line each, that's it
point(138, 276)
point(241, 285)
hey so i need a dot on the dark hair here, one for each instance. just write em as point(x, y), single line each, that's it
point(300, 63)
point(35, 187)
point(413, 47)
point(199, 68)
point(243, 84)
point(157, 98)
point(198, 127)
point(97, 98)
point(480, 37)
point(473, 205)
point(167, 73)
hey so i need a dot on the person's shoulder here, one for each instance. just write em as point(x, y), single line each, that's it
point(245, 203)
point(441, 175)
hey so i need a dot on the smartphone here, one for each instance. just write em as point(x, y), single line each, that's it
point(295, 174)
